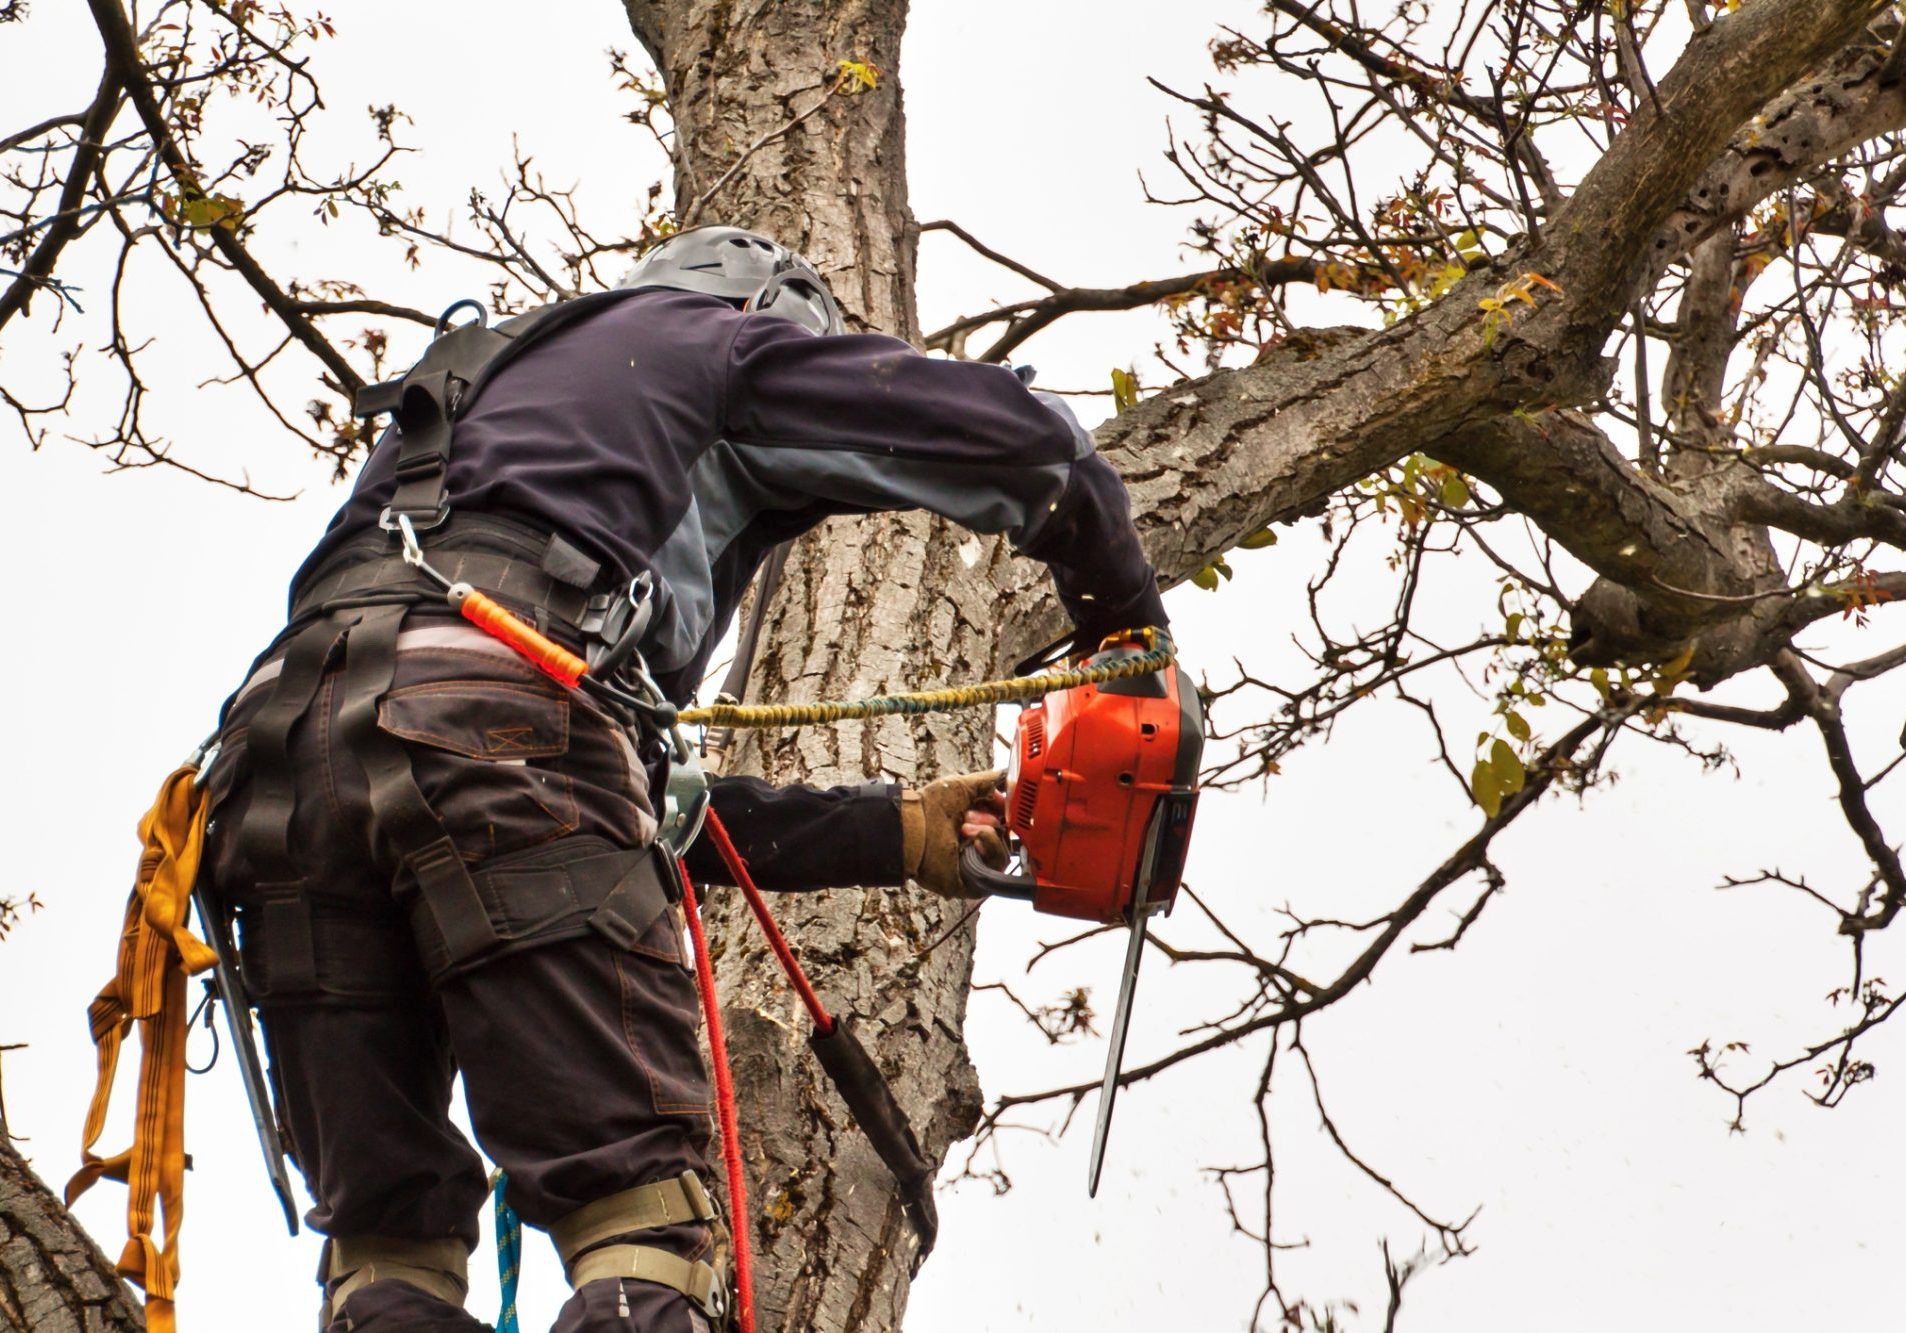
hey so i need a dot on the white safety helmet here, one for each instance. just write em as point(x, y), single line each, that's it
point(744, 267)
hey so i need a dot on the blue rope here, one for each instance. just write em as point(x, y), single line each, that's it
point(509, 1253)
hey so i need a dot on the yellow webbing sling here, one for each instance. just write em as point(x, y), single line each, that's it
point(157, 952)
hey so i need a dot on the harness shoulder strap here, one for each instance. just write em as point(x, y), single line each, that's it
point(429, 398)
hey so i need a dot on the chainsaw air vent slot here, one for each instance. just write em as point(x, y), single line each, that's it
point(1026, 796)
point(1035, 731)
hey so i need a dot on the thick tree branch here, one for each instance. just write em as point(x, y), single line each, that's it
point(1845, 103)
point(1728, 72)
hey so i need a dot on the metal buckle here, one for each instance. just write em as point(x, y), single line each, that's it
point(392, 522)
point(699, 1199)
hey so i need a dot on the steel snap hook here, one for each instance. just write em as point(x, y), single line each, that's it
point(482, 320)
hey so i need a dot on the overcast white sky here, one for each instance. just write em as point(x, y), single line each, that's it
point(1539, 1073)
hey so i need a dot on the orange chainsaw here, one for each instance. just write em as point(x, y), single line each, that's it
point(1100, 795)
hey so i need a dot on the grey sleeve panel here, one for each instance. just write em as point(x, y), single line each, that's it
point(1081, 437)
point(734, 484)
point(723, 500)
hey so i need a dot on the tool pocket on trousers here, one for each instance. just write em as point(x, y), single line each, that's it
point(660, 1019)
point(486, 755)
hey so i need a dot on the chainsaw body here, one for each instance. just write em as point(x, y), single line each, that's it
point(1100, 795)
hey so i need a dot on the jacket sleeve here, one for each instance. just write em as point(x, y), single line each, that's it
point(796, 838)
point(865, 421)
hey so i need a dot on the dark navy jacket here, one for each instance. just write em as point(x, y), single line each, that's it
point(672, 433)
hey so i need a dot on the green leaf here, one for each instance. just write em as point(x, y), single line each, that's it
point(1507, 765)
point(1258, 540)
point(1483, 786)
point(1517, 724)
point(1513, 623)
point(1598, 677)
point(1454, 491)
point(1124, 389)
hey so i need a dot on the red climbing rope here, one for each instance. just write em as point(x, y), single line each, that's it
point(823, 1021)
point(718, 1046)
point(725, 1107)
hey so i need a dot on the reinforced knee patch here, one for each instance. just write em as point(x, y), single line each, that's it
point(580, 1241)
point(439, 1267)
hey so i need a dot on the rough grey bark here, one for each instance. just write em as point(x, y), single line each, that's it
point(53, 1279)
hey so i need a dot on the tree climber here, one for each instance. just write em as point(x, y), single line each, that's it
point(443, 860)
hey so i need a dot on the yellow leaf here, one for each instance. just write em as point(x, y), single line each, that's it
point(1672, 673)
point(1517, 724)
point(1510, 775)
point(1258, 540)
point(1445, 277)
point(857, 76)
point(1124, 389)
point(1482, 786)
point(1207, 578)
point(196, 211)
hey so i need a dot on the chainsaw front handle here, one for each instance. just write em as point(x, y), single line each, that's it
point(982, 881)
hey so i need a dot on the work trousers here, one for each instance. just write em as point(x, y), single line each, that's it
point(579, 1058)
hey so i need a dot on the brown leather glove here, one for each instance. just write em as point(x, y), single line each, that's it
point(937, 820)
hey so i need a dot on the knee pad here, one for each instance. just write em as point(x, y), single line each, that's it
point(583, 1240)
point(440, 1268)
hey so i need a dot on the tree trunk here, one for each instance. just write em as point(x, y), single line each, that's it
point(52, 1278)
point(866, 606)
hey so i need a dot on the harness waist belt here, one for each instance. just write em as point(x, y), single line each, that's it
point(390, 576)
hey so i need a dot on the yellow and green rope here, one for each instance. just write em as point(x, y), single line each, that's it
point(1015, 690)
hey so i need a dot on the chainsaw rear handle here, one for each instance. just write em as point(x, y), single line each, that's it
point(981, 880)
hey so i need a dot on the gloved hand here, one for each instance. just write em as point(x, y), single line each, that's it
point(937, 820)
